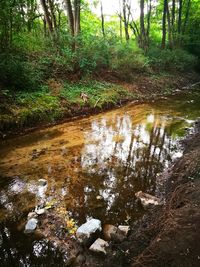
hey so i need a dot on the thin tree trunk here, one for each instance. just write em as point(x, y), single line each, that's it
point(149, 20)
point(164, 24)
point(125, 21)
point(180, 16)
point(77, 16)
point(173, 11)
point(120, 20)
point(102, 20)
point(142, 27)
point(186, 16)
point(169, 27)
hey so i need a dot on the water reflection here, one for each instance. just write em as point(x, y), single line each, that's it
point(127, 157)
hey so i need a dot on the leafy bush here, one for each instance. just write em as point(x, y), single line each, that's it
point(128, 58)
point(92, 53)
point(18, 73)
point(176, 59)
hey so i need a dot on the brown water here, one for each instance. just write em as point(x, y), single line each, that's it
point(93, 167)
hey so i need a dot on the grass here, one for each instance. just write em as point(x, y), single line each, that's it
point(99, 93)
point(32, 108)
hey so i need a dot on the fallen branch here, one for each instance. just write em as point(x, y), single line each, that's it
point(97, 102)
point(190, 86)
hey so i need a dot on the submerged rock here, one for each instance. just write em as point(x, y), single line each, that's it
point(99, 246)
point(147, 199)
point(111, 232)
point(86, 230)
point(30, 225)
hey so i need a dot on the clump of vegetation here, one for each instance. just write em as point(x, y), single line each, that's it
point(18, 73)
point(128, 59)
point(176, 59)
point(98, 93)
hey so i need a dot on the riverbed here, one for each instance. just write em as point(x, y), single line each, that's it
point(93, 168)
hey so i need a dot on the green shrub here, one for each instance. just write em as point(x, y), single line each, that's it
point(18, 73)
point(93, 53)
point(128, 58)
point(176, 59)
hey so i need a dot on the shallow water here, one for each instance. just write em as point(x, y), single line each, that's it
point(93, 167)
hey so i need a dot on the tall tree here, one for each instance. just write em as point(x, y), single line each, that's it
point(73, 14)
point(164, 31)
point(180, 16)
point(126, 19)
point(47, 15)
point(102, 20)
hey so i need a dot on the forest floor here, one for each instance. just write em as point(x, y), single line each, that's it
point(167, 236)
point(60, 100)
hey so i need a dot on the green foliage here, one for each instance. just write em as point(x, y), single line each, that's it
point(128, 58)
point(176, 59)
point(98, 93)
point(93, 53)
point(18, 73)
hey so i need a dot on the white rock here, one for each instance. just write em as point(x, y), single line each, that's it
point(32, 214)
point(147, 199)
point(42, 182)
point(124, 228)
point(99, 246)
point(31, 225)
point(40, 211)
point(85, 231)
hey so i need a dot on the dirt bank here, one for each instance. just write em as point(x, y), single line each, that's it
point(36, 111)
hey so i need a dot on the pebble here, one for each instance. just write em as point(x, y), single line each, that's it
point(99, 245)
point(30, 225)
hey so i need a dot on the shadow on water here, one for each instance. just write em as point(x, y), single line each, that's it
point(93, 167)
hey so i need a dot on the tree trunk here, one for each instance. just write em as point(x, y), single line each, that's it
point(120, 20)
point(70, 16)
point(149, 20)
point(180, 16)
point(164, 24)
point(169, 27)
point(77, 16)
point(143, 43)
point(102, 20)
point(173, 11)
point(186, 16)
point(125, 21)
point(47, 15)
point(53, 16)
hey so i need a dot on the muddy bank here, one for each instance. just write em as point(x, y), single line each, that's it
point(141, 89)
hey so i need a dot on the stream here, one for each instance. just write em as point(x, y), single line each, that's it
point(93, 167)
